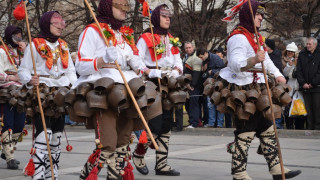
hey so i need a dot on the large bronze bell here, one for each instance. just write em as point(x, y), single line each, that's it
point(117, 96)
point(242, 115)
point(250, 108)
point(60, 96)
point(154, 110)
point(142, 102)
point(81, 109)
point(285, 99)
point(103, 85)
point(96, 100)
point(238, 97)
point(208, 90)
point(225, 93)
point(208, 81)
point(252, 95)
point(222, 107)
point(215, 98)
point(137, 87)
point(172, 83)
point(83, 89)
point(263, 103)
point(70, 97)
point(151, 94)
point(218, 85)
point(167, 104)
point(231, 106)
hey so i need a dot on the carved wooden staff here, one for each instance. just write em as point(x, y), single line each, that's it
point(7, 51)
point(124, 79)
point(154, 46)
point(38, 93)
point(269, 95)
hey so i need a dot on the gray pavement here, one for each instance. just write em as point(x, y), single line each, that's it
point(198, 154)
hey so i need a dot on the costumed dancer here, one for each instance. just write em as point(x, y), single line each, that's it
point(96, 65)
point(243, 55)
point(170, 63)
point(55, 70)
point(13, 120)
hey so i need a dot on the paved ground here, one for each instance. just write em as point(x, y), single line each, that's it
point(197, 153)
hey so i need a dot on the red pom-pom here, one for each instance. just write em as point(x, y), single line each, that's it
point(143, 138)
point(141, 1)
point(93, 174)
point(128, 174)
point(33, 151)
point(94, 156)
point(69, 148)
point(19, 12)
point(29, 169)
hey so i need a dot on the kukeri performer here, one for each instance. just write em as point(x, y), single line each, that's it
point(243, 55)
point(13, 120)
point(96, 63)
point(170, 63)
point(55, 70)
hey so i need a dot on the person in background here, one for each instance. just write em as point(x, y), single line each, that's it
point(193, 67)
point(289, 71)
point(211, 65)
point(308, 75)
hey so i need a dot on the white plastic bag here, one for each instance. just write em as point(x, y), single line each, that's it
point(297, 104)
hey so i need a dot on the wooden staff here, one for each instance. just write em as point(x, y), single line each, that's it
point(7, 51)
point(269, 95)
point(154, 46)
point(124, 79)
point(38, 93)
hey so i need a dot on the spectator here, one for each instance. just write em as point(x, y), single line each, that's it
point(308, 75)
point(211, 65)
point(193, 67)
point(274, 54)
point(291, 56)
point(221, 53)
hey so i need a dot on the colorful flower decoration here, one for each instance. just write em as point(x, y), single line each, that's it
point(160, 48)
point(175, 42)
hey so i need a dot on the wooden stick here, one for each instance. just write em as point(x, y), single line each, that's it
point(154, 46)
point(124, 79)
point(7, 51)
point(269, 95)
point(38, 93)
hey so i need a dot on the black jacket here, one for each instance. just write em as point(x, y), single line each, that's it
point(308, 69)
point(275, 56)
point(214, 63)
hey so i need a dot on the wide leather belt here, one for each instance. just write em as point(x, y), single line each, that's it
point(51, 77)
point(114, 66)
point(10, 73)
point(161, 68)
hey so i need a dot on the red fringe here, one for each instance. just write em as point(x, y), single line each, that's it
point(19, 12)
point(30, 168)
point(141, 150)
point(143, 138)
point(145, 9)
point(128, 174)
point(93, 174)
point(94, 156)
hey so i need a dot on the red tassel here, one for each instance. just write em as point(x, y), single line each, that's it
point(30, 168)
point(145, 9)
point(94, 156)
point(128, 174)
point(19, 12)
point(25, 132)
point(143, 138)
point(93, 174)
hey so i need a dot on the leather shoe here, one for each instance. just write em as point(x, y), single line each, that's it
point(143, 170)
point(172, 172)
point(3, 156)
point(288, 175)
point(12, 165)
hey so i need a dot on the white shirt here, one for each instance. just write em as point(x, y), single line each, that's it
point(165, 61)
point(91, 46)
point(25, 70)
point(5, 65)
point(239, 50)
